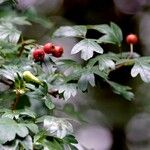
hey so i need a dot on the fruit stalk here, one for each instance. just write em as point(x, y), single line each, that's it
point(131, 50)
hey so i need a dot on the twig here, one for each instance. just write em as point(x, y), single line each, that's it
point(14, 105)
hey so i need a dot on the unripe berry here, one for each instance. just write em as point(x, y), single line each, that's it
point(58, 51)
point(29, 77)
point(132, 39)
point(38, 54)
point(48, 48)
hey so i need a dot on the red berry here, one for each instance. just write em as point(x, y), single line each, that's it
point(38, 55)
point(48, 48)
point(58, 51)
point(132, 39)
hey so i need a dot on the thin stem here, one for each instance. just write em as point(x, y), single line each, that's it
point(120, 50)
point(22, 45)
point(21, 49)
point(126, 63)
point(16, 101)
point(131, 51)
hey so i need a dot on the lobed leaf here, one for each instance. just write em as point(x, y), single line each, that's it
point(9, 129)
point(57, 127)
point(13, 19)
point(48, 102)
point(12, 146)
point(68, 63)
point(9, 72)
point(143, 69)
point(70, 139)
point(27, 143)
point(32, 127)
point(68, 90)
point(84, 80)
point(87, 48)
point(112, 33)
point(122, 90)
point(9, 33)
point(54, 145)
point(71, 31)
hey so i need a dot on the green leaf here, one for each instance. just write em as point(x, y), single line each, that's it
point(9, 33)
point(117, 32)
point(68, 90)
point(68, 64)
point(13, 146)
point(27, 143)
point(10, 1)
point(107, 39)
point(141, 67)
point(52, 145)
point(112, 33)
point(10, 114)
point(39, 136)
point(28, 112)
point(125, 55)
point(2, 61)
point(20, 20)
point(14, 19)
point(9, 72)
point(57, 127)
point(70, 139)
point(105, 62)
point(6, 98)
point(71, 31)
point(72, 147)
point(84, 80)
point(48, 102)
point(122, 90)
point(103, 28)
point(75, 74)
point(87, 48)
point(16, 114)
point(37, 93)
point(102, 74)
point(9, 128)
point(32, 127)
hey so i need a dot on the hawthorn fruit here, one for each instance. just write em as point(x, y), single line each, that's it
point(48, 48)
point(38, 54)
point(132, 39)
point(58, 51)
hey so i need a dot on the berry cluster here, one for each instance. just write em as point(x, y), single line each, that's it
point(48, 48)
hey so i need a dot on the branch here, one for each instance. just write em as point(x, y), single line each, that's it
point(14, 105)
